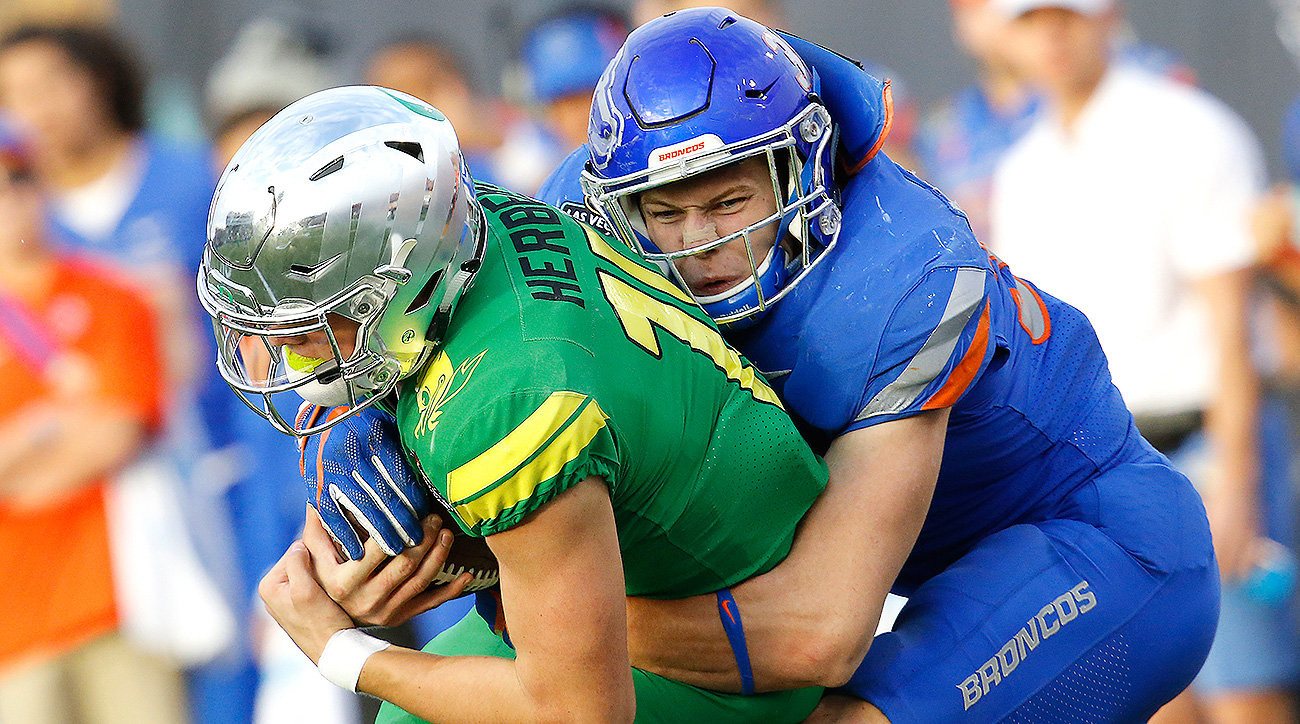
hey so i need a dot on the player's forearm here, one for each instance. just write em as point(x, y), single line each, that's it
point(474, 689)
point(83, 448)
point(811, 620)
point(683, 640)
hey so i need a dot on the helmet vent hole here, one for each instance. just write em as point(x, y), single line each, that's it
point(729, 20)
point(414, 150)
point(422, 298)
point(327, 169)
point(759, 93)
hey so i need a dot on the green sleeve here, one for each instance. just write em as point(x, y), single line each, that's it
point(518, 452)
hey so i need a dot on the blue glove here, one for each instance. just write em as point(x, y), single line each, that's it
point(357, 467)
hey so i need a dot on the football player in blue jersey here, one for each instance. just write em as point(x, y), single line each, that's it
point(1057, 568)
point(982, 463)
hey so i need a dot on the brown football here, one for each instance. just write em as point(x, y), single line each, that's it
point(468, 554)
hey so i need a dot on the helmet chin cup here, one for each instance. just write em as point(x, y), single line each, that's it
point(739, 307)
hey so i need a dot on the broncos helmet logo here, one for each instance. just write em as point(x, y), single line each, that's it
point(605, 128)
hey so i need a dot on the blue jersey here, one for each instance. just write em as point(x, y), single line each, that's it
point(936, 321)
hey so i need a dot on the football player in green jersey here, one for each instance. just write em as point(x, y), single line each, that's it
point(573, 406)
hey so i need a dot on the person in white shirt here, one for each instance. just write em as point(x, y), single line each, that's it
point(1130, 199)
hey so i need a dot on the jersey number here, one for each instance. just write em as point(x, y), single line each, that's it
point(639, 314)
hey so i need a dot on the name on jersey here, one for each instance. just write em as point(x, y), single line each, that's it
point(1050, 619)
point(537, 234)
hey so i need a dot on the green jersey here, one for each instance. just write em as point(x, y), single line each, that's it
point(571, 357)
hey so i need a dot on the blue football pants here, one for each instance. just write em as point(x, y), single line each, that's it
point(1099, 616)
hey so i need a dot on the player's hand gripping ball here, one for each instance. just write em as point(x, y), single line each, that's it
point(362, 487)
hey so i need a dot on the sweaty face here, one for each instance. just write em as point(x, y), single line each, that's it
point(697, 210)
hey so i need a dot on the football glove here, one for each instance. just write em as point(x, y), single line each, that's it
point(356, 469)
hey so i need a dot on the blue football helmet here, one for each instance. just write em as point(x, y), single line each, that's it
point(696, 90)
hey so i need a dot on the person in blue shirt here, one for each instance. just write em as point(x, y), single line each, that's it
point(982, 463)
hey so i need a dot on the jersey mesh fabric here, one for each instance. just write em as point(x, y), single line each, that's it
point(1096, 689)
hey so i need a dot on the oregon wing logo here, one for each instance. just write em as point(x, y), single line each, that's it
point(440, 384)
point(605, 128)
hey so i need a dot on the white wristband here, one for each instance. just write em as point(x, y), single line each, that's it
point(344, 655)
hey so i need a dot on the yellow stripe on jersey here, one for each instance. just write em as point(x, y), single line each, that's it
point(651, 279)
point(534, 452)
point(640, 313)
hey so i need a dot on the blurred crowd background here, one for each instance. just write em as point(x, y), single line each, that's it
point(140, 502)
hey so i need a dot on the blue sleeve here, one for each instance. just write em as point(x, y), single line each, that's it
point(922, 352)
point(933, 348)
point(564, 185)
point(857, 101)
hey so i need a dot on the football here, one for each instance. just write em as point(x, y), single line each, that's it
point(468, 554)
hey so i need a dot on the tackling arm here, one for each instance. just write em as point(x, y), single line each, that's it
point(810, 620)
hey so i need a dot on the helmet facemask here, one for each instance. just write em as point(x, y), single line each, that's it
point(797, 155)
point(260, 370)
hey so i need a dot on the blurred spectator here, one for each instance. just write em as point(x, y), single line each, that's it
point(434, 72)
point(1129, 197)
point(126, 197)
point(960, 143)
point(560, 58)
point(80, 93)
point(80, 364)
point(271, 63)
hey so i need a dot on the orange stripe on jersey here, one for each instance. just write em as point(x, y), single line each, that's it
point(965, 371)
point(320, 452)
point(1039, 316)
point(887, 96)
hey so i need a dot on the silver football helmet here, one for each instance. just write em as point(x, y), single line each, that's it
point(350, 209)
